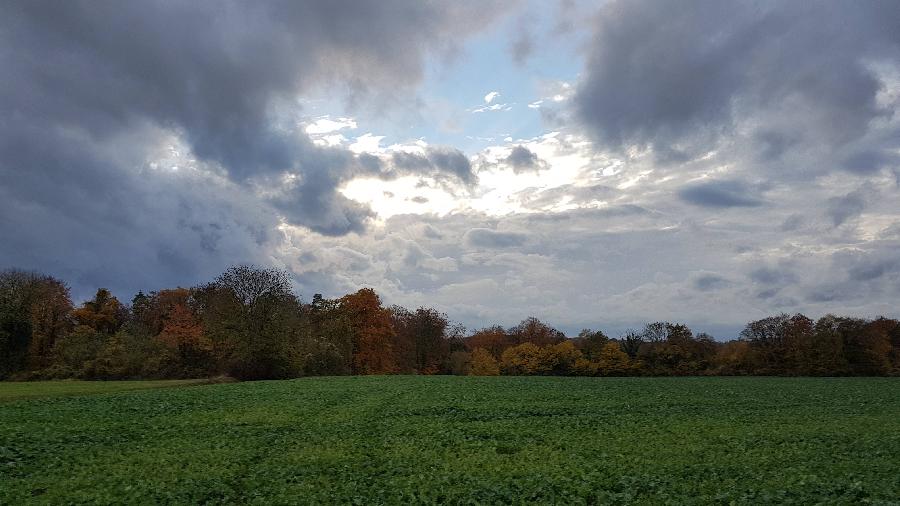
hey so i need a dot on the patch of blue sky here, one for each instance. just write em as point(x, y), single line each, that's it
point(442, 108)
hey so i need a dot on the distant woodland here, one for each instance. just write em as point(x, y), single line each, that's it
point(248, 324)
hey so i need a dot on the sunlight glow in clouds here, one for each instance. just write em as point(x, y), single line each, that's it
point(326, 125)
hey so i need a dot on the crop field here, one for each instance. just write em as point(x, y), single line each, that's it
point(401, 440)
point(14, 391)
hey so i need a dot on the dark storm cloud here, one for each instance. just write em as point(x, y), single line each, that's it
point(867, 266)
point(451, 161)
point(487, 238)
point(720, 194)
point(522, 159)
point(92, 91)
point(437, 161)
point(772, 275)
point(209, 69)
point(860, 274)
point(841, 209)
point(523, 43)
point(873, 269)
point(684, 73)
point(867, 161)
point(709, 282)
point(122, 229)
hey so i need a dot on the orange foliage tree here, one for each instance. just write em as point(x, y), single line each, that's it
point(532, 330)
point(373, 333)
point(183, 330)
point(104, 313)
point(493, 339)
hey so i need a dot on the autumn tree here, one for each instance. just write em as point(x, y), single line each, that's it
point(421, 344)
point(867, 347)
point(483, 363)
point(585, 367)
point(731, 359)
point(526, 359)
point(103, 314)
point(656, 332)
point(49, 314)
point(590, 342)
point(15, 333)
point(373, 333)
point(563, 357)
point(459, 363)
point(493, 339)
point(328, 346)
point(182, 332)
point(34, 314)
point(891, 328)
point(612, 361)
point(671, 348)
point(766, 338)
point(631, 343)
point(96, 321)
point(253, 320)
point(532, 330)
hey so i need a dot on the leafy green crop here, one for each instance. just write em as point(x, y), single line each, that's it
point(500, 440)
point(13, 391)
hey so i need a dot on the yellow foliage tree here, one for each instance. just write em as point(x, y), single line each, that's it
point(527, 359)
point(585, 367)
point(483, 364)
point(613, 361)
point(563, 357)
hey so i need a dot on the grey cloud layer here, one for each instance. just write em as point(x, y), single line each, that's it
point(755, 149)
point(437, 161)
point(720, 194)
point(89, 87)
point(677, 75)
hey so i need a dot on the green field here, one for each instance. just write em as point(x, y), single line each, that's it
point(402, 440)
point(14, 391)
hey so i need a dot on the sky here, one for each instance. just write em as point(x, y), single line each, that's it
point(593, 164)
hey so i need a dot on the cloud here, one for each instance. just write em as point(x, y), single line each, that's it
point(155, 143)
point(683, 75)
point(707, 282)
point(491, 107)
point(162, 133)
point(491, 96)
point(436, 161)
point(841, 209)
point(772, 275)
point(326, 125)
point(523, 41)
point(726, 193)
point(366, 143)
point(868, 269)
point(487, 238)
point(430, 232)
point(521, 158)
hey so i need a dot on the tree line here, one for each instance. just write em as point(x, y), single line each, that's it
point(248, 324)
